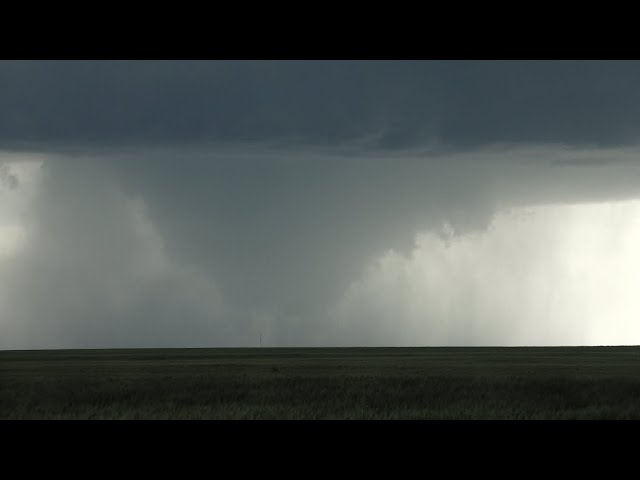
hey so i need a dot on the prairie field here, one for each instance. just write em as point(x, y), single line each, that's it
point(322, 383)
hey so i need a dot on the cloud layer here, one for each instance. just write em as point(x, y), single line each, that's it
point(388, 104)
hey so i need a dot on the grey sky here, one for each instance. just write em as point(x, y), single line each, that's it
point(200, 203)
point(397, 103)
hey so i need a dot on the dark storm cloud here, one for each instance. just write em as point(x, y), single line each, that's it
point(392, 104)
point(199, 203)
point(292, 227)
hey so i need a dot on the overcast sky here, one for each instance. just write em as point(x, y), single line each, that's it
point(319, 203)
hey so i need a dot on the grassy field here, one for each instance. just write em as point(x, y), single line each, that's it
point(322, 383)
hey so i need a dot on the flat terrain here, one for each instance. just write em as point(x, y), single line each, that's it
point(322, 383)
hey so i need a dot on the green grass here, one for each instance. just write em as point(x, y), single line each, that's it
point(349, 383)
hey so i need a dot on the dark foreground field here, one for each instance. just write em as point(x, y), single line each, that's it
point(350, 383)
